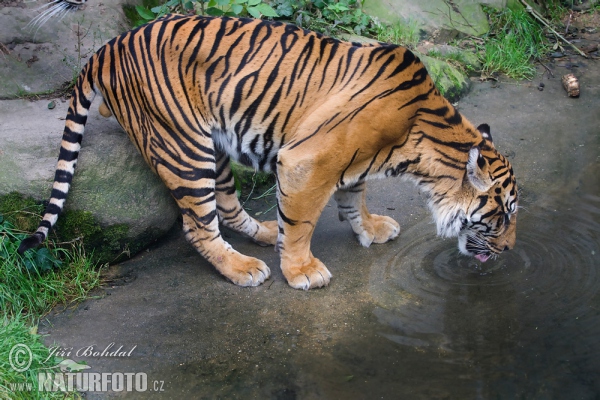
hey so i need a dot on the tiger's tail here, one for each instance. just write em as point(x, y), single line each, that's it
point(81, 99)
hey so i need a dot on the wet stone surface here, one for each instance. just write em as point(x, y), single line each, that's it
point(408, 319)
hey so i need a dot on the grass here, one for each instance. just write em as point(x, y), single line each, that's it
point(30, 286)
point(407, 34)
point(515, 39)
point(17, 385)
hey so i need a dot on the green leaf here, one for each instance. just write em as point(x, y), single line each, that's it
point(285, 10)
point(254, 12)
point(237, 9)
point(145, 13)
point(266, 10)
point(159, 9)
point(188, 5)
point(215, 12)
point(223, 2)
point(253, 2)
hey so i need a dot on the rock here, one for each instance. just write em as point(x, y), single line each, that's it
point(40, 59)
point(451, 82)
point(441, 18)
point(112, 181)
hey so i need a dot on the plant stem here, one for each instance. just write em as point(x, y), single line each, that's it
point(543, 21)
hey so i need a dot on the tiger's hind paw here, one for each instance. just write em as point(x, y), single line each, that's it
point(267, 233)
point(378, 229)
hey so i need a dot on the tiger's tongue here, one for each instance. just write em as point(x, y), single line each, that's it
point(482, 257)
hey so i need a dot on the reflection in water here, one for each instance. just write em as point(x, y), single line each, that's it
point(522, 324)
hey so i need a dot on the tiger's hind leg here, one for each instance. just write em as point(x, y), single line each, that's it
point(369, 228)
point(231, 212)
point(192, 184)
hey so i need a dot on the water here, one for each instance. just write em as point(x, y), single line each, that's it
point(525, 324)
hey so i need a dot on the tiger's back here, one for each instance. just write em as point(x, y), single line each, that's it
point(325, 115)
point(247, 83)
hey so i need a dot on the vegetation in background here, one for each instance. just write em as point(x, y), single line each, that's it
point(326, 16)
point(407, 34)
point(254, 185)
point(514, 41)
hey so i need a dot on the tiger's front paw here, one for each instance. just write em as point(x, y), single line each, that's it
point(378, 229)
point(245, 271)
point(311, 275)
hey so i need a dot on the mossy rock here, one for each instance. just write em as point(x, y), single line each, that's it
point(105, 244)
point(439, 18)
point(116, 203)
point(451, 82)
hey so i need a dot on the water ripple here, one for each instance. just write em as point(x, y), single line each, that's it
point(550, 278)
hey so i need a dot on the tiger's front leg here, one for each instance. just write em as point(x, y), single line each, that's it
point(302, 193)
point(231, 212)
point(369, 228)
point(192, 184)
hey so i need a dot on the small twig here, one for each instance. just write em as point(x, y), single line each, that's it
point(547, 69)
point(77, 239)
point(568, 23)
point(543, 21)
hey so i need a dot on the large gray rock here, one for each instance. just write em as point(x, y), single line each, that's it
point(38, 59)
point(441, 18)
point(112, 181)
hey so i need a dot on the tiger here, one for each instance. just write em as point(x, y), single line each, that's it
point(324, 115)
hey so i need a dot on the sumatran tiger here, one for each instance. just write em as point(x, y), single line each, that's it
point(324, 115)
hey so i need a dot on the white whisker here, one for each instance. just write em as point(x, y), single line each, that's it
point(55, 9)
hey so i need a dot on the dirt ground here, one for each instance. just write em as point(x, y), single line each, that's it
point(377, 332)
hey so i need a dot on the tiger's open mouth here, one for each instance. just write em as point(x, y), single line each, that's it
point(482, 257)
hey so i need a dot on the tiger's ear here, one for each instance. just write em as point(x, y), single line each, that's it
point(478, 170)
point(484, 129)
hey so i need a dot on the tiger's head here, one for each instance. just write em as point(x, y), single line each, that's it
point(483, 213)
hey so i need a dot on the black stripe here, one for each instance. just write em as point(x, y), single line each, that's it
point(408, 59)
point(62, 176)
point(284, 218)
point(58, 194)
point(53, 209)
point(348, 166)
point(184, 191)
point(67, 155)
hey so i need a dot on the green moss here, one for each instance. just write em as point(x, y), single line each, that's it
point(107, 244)
point(450, 81)
point(22, 212)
